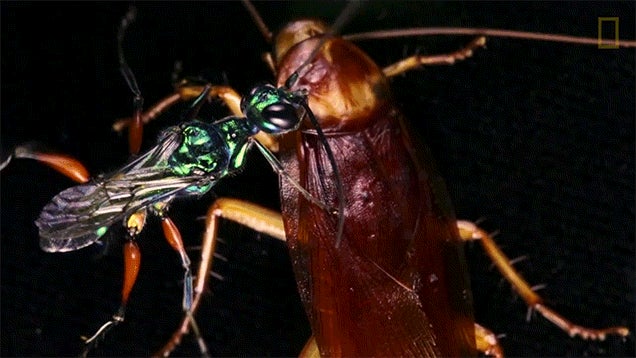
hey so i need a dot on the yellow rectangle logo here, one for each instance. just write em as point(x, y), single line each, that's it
point(603, 43)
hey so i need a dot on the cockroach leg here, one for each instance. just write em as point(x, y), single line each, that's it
point(487, 342)
point(62, 163)
point(470, 231)
point(416, 61)
point(186, 92)
point(270, 223)
point(251, 215)
point(310, 350)
point(150, 114)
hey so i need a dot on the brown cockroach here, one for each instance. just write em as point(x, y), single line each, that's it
point(436, 147)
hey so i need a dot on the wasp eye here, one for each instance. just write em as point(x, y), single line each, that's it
point(279, 117)
point(260, 88)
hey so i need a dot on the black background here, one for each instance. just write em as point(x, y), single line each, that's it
point(536, 138)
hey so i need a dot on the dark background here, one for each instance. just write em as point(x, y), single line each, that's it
point(536, 138)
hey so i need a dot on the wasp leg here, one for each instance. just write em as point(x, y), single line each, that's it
point(173, 236)
point(132, 262)
point(187, 92)
point(62, 163)
point(469, 231)
point(135, 132)
point(251, 215)
point(416, 61)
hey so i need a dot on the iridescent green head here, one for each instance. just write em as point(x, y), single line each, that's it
point(273, 110)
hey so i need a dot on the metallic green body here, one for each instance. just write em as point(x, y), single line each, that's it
point(187, 160)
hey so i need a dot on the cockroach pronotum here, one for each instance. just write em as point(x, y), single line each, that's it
point(559, 195)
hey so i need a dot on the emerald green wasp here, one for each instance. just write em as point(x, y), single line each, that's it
point(187, 160)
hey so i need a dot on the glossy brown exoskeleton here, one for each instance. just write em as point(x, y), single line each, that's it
point(401, 248)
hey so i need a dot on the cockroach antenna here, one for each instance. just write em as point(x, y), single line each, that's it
point(258, 20)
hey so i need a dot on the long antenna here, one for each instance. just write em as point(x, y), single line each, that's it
point(524, 35)
point(128, 74)
point(346, 15)
point(258, 20)
point(135, 131)
point(336, 172)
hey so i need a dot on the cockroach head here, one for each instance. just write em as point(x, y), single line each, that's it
point(296, 32)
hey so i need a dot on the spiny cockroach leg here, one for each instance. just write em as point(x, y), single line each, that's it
point(417, 61)
point(253, 216)
point(487, 342)
point(186, 92)
point(270, 223)
point(469, 231)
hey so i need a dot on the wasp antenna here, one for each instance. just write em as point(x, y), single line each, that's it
point(135, 132)
point(129, 76)
point(524, 35)
point(346, 15)
point(258, 20)
point(336, 172)
point(278, 168)
point(197, 104)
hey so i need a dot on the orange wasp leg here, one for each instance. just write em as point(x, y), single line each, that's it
point(253, 216)
point(187, 92)
point(416, 61)
point(135, 132)
point(173, 236)
point(469, 231)
point(62, 163)
point(132, 262)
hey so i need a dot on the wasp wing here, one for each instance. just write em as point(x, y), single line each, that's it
point(80, 215)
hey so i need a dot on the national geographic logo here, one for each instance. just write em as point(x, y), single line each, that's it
point(608, 26)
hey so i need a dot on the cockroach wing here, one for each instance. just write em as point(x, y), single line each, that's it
point(397, 285)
